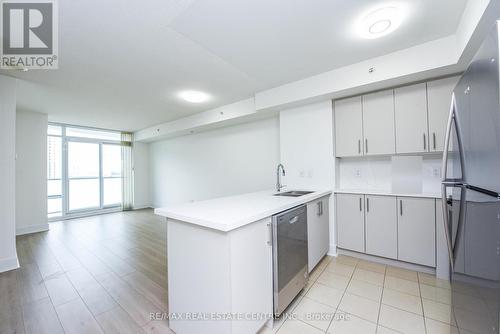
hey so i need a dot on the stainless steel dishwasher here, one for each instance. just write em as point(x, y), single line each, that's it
point(290, 272)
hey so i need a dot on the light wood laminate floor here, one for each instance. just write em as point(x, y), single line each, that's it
point(101, 274)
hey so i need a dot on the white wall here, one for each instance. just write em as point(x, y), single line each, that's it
point(140, 154)
point(8, 255)
point(307, 151)
point(31, 172)
point(227, 161)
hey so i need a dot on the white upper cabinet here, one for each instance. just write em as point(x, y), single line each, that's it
point(348, 127)
point(378, 123)
point(439, 101)
point(411, 119)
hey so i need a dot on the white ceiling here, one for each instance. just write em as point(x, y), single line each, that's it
point(122, 62)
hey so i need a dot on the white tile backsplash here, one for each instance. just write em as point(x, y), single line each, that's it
point(407, 174)
point(376, 174)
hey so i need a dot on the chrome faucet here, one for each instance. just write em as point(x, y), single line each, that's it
point(278, 177)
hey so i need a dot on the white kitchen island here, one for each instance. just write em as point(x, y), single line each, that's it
point(220, 277)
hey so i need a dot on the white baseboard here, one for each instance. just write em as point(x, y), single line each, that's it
point(389, 262)
point(333, 250)
point(140, 207)
point(32, 229)
point(9, 264)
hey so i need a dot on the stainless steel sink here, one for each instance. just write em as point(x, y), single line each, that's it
point(294, 193)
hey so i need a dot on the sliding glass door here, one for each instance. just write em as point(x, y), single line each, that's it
point(83, 176)
point(111, 175)
point(85, 170)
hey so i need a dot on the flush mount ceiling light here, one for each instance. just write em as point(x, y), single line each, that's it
point(194, 96)
point(380, 21)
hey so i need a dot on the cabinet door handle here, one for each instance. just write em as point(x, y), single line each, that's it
point(359, 146)
point(401, 207)
point(425, 143)
point(366, 145)
point(367, 204)
point(270, 240)
point(319, 208)
point(360, 204)
point(434, 140)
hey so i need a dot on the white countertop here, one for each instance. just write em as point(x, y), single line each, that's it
point(386, 193)
point(228, 213)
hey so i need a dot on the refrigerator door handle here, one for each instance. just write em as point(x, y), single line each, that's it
point(460, 226)
point(446, 220)
point(451, 182)
point(444, 165)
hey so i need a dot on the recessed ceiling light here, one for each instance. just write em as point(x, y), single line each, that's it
point(194, 96)
point(380, 21)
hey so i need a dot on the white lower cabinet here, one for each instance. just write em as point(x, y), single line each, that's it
point(400, 228)
point(317, 230)
point(417, 230)
point(350, 222)
point(381, 226)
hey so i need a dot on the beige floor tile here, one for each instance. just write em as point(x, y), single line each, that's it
point(340, 269)
point(360, 307)
point(402, 285)
point(324, 262)
point(352, 325)
point(431, 280)
point(371, 266)
point(434, 293)
point(344, 259)
point(406, 274)
point(298, 327)
point(369, 276)
point(314, 313)
point(402, 301)
point(288, 313)
point(325, 294)
point(366, 290)
point(402, 321)
point(333, 280)
point(438, 311)
point(267, 330)
point(385, 330)
point(313, 276)
point(436, 327)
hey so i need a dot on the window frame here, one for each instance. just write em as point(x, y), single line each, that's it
point(66, 213)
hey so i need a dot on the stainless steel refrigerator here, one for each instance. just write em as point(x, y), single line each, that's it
point(471, 194)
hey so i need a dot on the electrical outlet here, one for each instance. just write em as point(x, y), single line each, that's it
point(302, 173)
point(357, 173)
point(436, 172)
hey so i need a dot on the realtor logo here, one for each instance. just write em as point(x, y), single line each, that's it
point(28, 34)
